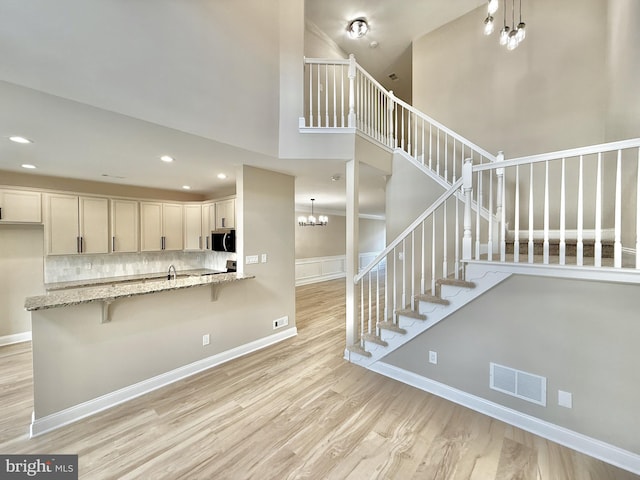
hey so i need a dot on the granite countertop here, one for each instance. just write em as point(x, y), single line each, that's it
point(110, 291)
point(92, 282)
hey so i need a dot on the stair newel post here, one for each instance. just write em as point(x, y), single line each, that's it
point(351, 121)
point(390, 108)
point(638, 213)
point(617, 245)
point(467, 186)
point(500, 209)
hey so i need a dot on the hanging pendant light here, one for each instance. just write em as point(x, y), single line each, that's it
point(311, 220)
point(510, 36)
point(522, 33)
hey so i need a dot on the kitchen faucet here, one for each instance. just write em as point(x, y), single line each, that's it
point(171, 267)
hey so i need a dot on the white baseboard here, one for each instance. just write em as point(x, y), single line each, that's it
point(15, 338)
point(590, 446)
point(93, 406)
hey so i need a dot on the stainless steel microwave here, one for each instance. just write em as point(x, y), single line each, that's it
point(223, 240)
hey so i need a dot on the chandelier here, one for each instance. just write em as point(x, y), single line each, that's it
point(510, 36)
point(311, 220)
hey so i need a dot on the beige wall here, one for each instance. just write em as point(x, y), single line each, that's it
point(548, 94)
point(76, 358)
point(22, 264)
point(580, 335)
point(329, 241)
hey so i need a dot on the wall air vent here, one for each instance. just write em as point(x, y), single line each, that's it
point(523, 385)
point(393, 76)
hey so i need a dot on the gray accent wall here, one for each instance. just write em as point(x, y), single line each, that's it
point(581, 335)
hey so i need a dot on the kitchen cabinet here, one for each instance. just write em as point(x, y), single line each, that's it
point(226, 213)
point(161, 226)
point(125, 225)
point(76, 224)
point(18, 206)
point(193, 227)
point(208, 223)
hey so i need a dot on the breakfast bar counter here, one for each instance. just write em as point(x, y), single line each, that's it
point(109, 291)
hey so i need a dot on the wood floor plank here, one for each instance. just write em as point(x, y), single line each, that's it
point(296, 410)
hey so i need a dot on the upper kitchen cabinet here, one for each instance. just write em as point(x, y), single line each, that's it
point(226, 213)
point(125, 225)
point(18, 206)
point(193, 227)
point(76, 224)
point(208, 222)
point(161, 226)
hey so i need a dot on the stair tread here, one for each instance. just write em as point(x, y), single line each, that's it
point(369, 337)
point(392, 327)
point(359, 350)
point(456, 283)
point(411, 314)
point(425, 297)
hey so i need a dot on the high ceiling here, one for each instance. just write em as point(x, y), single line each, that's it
point(53, 90)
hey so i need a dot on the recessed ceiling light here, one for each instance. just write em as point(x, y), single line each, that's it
point(166, 158)
point(186, 187)
point(222, 176)
point(28, 165)
point(18, 139)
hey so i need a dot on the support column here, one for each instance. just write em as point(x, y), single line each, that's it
point(352, 266)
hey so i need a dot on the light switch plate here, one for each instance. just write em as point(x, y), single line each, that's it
point(565, 399)
point(433, 357)
point(251, 259)
point(264, 258)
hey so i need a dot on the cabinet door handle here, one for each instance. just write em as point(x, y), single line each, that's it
point(164, 243)
point(207, 242)
point(113, 244)
point(77, 244)
point(0, 213)
point(200, 242)
point(81, 244)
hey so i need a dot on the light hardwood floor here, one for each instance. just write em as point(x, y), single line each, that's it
point(294, 410)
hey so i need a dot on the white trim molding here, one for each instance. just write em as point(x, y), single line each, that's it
point(321, 269)
point(15, 338)
point(590, 446)
point(93, 406)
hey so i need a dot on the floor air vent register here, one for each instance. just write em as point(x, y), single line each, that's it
point(517, 383)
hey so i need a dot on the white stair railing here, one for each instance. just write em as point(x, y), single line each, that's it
point(341, 94)
point(566, 207)
point(427, 250)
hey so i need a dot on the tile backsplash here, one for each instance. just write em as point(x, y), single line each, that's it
point(68, 268)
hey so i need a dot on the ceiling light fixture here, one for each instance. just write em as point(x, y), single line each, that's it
point(358, 28)
point(186, 187)
point(167, 158)
point(222, 176)
point(311, 220)
point(18, 139)
point(28, 166)
point(510, 36)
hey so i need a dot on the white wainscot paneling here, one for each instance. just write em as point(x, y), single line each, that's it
point(321, 269)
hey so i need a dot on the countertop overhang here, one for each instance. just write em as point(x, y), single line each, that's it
point(113, 290)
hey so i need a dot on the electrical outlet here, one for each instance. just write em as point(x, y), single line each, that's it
point(280, 322)
point(206, 339)
point(251, 259)
point(433, 357)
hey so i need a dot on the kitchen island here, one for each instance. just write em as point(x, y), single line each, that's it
point(100, 345)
